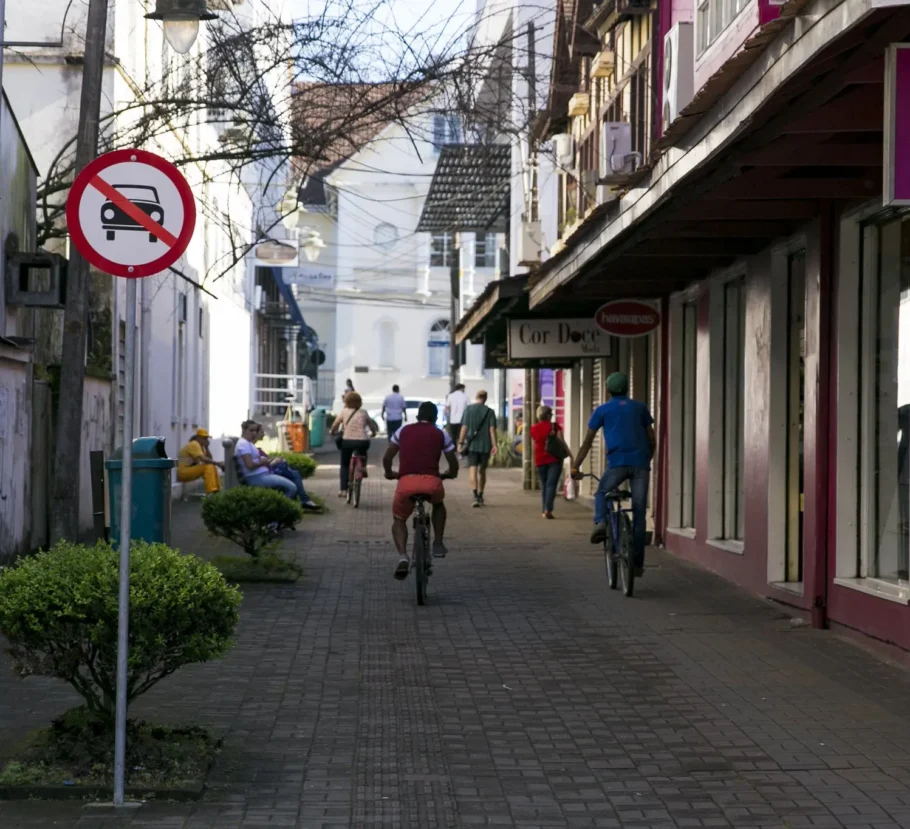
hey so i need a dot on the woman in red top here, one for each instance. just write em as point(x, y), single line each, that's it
point(548, 466)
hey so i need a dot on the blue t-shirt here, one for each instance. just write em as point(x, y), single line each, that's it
point(625, 423)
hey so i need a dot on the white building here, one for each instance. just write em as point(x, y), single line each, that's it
point(378, 295)
point(196, 320)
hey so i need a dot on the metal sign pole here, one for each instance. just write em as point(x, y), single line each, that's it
point(126, 503)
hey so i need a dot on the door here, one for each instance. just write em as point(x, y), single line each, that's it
point(796, 395)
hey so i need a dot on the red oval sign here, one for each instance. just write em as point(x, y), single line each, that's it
point(627, 318)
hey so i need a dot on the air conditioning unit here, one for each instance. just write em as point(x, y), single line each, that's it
point(603, 64)
point(564, 150)
point(615, 146)
point(529, 243)
point(679, 71)
point(579, 104)
point(629, 7)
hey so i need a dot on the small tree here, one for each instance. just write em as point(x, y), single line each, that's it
point(251, 517)
point(59, 612)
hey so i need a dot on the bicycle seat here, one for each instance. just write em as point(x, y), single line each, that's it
point(418, 498)
point(618, 495)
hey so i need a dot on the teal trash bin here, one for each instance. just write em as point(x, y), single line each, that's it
point(317, 428)
point(151, 507)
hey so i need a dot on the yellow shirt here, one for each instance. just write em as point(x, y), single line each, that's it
point(190, 454)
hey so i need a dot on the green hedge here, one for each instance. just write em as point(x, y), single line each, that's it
point(304, 464)
point(252, 517)
point(58, 610)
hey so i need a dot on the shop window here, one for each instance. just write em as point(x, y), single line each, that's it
point(884, 404)
point(734, 390)
point(438, 347)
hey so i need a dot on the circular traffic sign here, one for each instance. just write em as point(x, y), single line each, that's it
point(131, 213)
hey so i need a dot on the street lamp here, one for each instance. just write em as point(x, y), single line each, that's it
point(181, 21)
point(310, 243)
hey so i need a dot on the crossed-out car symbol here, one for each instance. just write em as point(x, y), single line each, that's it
point(145, 198)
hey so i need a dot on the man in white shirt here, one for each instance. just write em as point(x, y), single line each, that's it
point(394, 411)
point(255, 469)
point(456, 403)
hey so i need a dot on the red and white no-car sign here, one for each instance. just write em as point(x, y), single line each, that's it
point(627, 318)
point(131, 213)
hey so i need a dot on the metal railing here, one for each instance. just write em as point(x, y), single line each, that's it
point(274, 393)
point(325, 389)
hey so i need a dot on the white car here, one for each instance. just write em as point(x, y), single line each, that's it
point(411, 408)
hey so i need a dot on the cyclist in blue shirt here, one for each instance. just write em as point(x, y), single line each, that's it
point(629, 439)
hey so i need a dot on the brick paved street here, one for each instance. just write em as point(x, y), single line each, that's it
point(526, 695)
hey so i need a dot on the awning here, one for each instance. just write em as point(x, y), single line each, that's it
point(800, 129)
point(307, 334)
point(469, 191)
point(498, 298)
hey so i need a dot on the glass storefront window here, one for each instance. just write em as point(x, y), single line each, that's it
point(885, 447)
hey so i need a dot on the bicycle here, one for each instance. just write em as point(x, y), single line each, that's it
point(421, 561)
point(618, 553)
point(356, 474)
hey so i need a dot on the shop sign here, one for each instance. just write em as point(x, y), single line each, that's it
point(897, 124)
point(539, 339)
point(310, 276)
point(496, 355)
point(627, 318)
point(274, 254)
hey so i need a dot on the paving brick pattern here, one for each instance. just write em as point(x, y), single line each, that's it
point(525, 695)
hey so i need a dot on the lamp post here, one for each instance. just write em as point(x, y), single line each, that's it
point(181, 24)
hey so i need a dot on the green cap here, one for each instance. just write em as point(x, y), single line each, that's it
point(618, 383)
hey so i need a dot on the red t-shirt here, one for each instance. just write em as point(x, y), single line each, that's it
point(420, 446)
point(540, 431)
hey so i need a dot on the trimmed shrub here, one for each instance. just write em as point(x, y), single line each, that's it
point(252, 517)
point(505, 454)
point(59, 612)
point(304, 464)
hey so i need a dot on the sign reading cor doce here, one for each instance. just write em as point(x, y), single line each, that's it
point(556, 339)
point(627, 318)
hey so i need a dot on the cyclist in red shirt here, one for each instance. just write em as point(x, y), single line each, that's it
point(420, 445)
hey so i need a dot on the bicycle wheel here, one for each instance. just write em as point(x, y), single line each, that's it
point(626, 563)
point(610, 557)
point(421, 554)
point(356, 490)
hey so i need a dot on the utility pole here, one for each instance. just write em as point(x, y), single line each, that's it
point(68, 451)
point(530, 204)
point(454, 310)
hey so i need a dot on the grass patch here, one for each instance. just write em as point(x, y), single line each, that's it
point(267, 568)
point(74, 757)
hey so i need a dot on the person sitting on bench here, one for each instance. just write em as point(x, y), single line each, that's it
point(281, 467)
point(195, 461)
point(255, 468)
